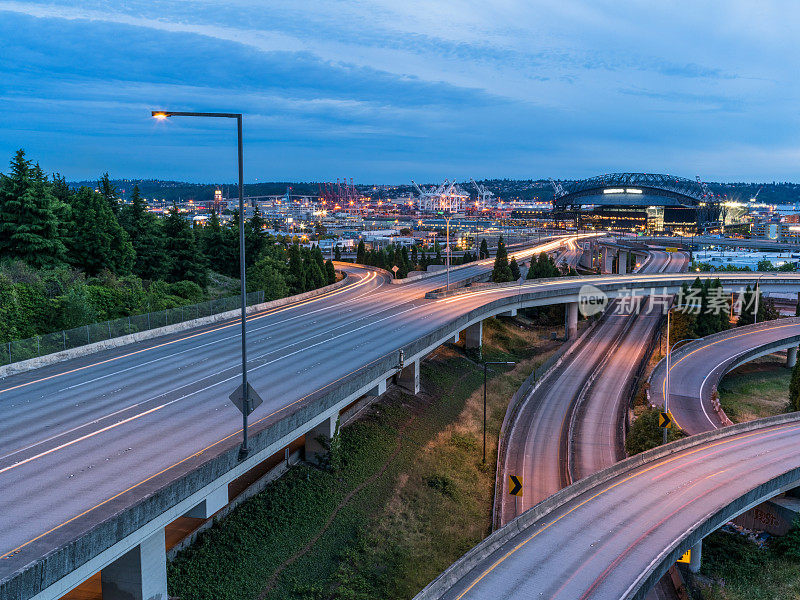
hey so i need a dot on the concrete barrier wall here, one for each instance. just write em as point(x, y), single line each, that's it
point(120, 518)
point(124, 340)
point(497, 540)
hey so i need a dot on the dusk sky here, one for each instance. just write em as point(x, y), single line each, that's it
point(385, 91)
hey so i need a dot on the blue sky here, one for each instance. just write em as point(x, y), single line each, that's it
point(386, 91)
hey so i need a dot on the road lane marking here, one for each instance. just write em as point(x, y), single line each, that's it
point(253, 317)
point(681, 454)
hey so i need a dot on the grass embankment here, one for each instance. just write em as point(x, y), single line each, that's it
point(411, 497)
point(736, 569)
point(756, 389)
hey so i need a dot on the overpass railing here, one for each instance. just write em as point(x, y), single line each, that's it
point(50, 343)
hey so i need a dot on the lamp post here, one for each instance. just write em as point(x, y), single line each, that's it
point(755, 310)
point(484, 400)
point(164, 114)
point(666, 376)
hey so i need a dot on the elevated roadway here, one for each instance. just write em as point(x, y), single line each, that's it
point(697, 367)
point(107, 449)
point(615, 533)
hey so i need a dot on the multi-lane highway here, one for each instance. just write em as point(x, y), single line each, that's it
point(79, 433)
point(107, 426)
point(539, 445)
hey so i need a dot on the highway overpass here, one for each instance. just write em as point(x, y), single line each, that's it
point(614, 534)
point(105, 450)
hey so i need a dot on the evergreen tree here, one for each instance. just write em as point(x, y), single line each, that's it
point(268, 275)
point(29, 227)
point(747, 313)
point(97, 241)
point(360, 252)
point(255, 238)
point(297, 275)
point(415, 259)
point(337, 254)
point(186, 262)
point(316, 255)
point(515, 272)
point(501, 271)
point(146, 238)
point(484, 251)
point(109, 192)
point(330, 271)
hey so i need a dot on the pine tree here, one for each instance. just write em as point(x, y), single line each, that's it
point(484, 251)
point(146, 237)
point(515, 272)
point(330, 271)
point(268, 275)
point(337, 254)
point(747, 314)
point(255, 238)
point(186, 262)
point(501, 271)
point(29, 227)
point(97, 241)
point(297, 275)
point(360, 252)
point(109, 192)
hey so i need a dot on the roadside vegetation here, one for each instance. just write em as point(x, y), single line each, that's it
point(734, 568)
point(410, 496)
point(756, 389)
point(72, 257)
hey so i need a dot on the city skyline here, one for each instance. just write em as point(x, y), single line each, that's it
point(384, 94)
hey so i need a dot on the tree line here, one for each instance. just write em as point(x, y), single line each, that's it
point(71, 257)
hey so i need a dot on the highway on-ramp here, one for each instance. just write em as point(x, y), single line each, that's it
point(627, 527)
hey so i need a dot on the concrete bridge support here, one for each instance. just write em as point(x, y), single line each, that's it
point(791, 357)
point(509, 313)
point(570, 320)
point(213, 502)
point(316, 438)
point(697, 555)
point(408, 378)
point(606, 261)
point(473, 336)
point(139, 574)
point(622, 262)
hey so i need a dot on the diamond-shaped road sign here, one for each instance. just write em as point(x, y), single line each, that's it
point(237, 397)
point(516, 485)
point(665, 420)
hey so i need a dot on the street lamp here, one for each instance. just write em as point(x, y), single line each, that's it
point(162, 115)
point(447, 220)
point(484, 400)
point(666, 376)
point(755, 310)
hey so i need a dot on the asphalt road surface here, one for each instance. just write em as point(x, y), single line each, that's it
point(81, 432)
point(598, 545)
point(697, 368)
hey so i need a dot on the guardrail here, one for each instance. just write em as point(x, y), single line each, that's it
point(495, 541)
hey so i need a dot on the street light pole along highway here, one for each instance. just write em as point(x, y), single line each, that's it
point(163, 114)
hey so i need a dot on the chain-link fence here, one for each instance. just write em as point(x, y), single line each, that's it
point(40, 345)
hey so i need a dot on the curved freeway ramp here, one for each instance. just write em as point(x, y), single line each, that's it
point(614, 534)
point(697, 368)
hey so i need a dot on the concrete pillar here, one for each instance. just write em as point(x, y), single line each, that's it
point(697, 554)
point(622, 262)
point(457, 337)
point(791, 357)
point(314, 444)
point(570, 320)
point(473, 337)
point(378, 389)
point(607, 261)
point(210, 504)
point(140, 573)
point(408, 378)
point(509, 313)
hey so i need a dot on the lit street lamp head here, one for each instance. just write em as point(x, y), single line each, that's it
point(159, 114)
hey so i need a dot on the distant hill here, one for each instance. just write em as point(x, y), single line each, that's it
point(508, 189)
